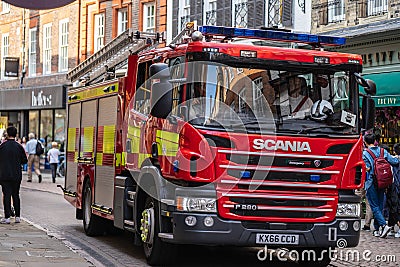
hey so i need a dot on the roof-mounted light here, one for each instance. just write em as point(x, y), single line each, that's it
point(271, 35)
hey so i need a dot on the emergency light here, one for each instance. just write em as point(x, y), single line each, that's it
point(271, 35)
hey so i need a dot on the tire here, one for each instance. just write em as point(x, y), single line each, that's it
point(322, 259)
point(156, 251)
point(92, 224)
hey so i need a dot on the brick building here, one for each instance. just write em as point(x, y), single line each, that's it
point(45, 45)
point(288, 14)
point(48, 44)
point(372, 29)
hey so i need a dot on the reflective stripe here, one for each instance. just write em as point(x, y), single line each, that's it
point(134, 135)
point(99, 158)
point(109, 139)
point(93, 92)
point(71, 139)
point(167, 143)
point(117, 159)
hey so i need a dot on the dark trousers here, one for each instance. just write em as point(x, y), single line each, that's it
point(11, 189)
point(53, 167)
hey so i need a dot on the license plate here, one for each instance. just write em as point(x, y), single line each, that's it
point(279, 239)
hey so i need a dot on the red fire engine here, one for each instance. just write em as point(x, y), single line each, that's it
point(226, 136)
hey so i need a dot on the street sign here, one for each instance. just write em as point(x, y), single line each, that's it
point(39, 4)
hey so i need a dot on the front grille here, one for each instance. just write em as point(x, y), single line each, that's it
point(279, 161)
point(270, 202)
point(278, 176)
point(283, 226)
point(281, 214)
point(273, 187)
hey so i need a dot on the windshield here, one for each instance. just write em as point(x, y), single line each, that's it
point(269, 100)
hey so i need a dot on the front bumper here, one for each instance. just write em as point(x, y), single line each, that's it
point(229, 232)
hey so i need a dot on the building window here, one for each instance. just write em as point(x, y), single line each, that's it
point(5, 7)
point(5, 44)
point(63, 54)
point(122, 20)
point(377, 7)
point(98, 32)
point(184, 13)
point(240, 12)
point(335, 10)
point(32, 52)
point(149, 16)
point(47, 49)
point(210, 11)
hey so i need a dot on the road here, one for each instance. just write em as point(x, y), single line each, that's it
point(51, 212)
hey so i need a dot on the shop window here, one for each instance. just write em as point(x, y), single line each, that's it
point(59, 125)
point(46, 126)
point(34, 122)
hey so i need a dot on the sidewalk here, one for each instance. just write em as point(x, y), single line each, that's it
point(25, 244)
point(46, 184)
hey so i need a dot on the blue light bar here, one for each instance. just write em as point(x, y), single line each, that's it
point(272, 35)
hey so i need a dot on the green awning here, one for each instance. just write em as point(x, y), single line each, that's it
point(387, 88)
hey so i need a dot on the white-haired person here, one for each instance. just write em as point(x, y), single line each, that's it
point(33, 159)
point(53, 155)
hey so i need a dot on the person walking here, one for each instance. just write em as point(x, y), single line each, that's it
point(33, 159)
point(52, 155)
point(374, 194)
point(12, 156)
point(393, 196)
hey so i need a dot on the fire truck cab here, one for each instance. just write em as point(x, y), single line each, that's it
point(226, 136)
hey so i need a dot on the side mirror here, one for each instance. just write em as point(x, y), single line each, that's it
point(369, 85)
point(161, 90)
point(368, 112)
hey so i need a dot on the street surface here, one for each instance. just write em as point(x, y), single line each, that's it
point(49, 210)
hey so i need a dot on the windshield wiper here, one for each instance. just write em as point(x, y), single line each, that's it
point(335, 127)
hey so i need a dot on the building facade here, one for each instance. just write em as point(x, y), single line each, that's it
point(372, 29)
point(287, 14)
point(37, 49)
point(44, 45)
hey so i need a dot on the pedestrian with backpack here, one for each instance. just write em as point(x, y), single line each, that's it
point(379, 176)
point(33, 149)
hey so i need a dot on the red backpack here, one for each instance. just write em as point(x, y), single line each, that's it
point(383, 176)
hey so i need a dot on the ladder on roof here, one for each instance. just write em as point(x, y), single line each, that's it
point(113, 55)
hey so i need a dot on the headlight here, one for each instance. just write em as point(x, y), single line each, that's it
point(348, 210)
point(196, 204)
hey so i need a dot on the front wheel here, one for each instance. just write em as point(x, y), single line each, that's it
point(156, 251)
point(92, 224)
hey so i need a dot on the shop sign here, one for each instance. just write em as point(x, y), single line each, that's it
point(39, 4)
point(11, 66)
point(33, 98)
point(387, 100)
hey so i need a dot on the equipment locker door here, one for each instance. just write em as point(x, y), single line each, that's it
point(72, 149)
point(105, 151)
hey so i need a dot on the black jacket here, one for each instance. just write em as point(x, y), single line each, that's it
point(12, 156)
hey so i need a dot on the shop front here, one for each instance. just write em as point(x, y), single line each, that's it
point(37, 110)
point(387, 102)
